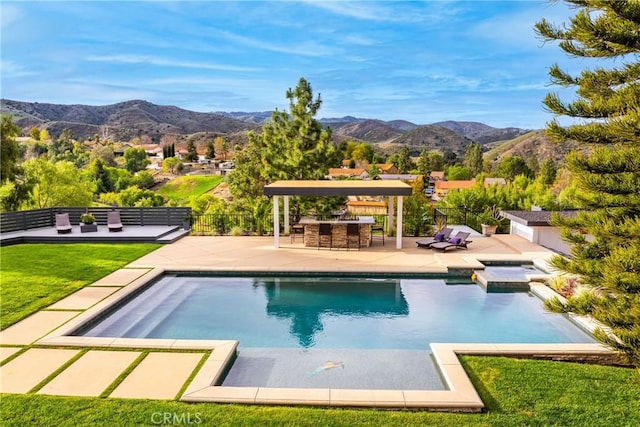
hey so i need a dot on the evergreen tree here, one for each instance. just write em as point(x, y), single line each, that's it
point(608, 179)
point(548, 171)
point(404, 161)
point(192, 153)
point(292, 145)
point(473, 158)
point(424, 163)
point(211, 150)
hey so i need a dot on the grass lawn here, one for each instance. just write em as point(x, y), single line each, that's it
point(516, 393)
point(33, 276)
point(182, 187)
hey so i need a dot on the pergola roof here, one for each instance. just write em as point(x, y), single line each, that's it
point(337, 188)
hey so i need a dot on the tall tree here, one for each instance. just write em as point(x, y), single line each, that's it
point(135, 159)
point(292, 145)
point(404, 161)
point(548, 171)
point(211, 150)
point(10, 154)
point(473, 158)
point(58, 184)
point(192, 152)
point(424, 163)
point(14, 186)
point(608, 179)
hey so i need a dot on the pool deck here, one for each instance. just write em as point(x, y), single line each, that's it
point(37, 357)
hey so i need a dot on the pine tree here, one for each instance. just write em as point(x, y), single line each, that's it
point(473, 158)
point(608, 178)
point(211, 150)
point(192, 153)
point(292, 145)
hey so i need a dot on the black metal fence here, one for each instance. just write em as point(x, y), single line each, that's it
point(248, 224)
point(36, 218)
point(213, 224)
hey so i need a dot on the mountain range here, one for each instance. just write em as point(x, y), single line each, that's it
point(137, 118)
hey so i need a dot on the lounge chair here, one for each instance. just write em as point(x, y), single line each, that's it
point(459, 241)
point(440, 236)
point(63, 225)
point(113, 221)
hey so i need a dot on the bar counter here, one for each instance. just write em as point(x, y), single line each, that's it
point(338, 231)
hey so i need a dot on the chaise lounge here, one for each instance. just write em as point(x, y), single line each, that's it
point(440, 236)
point(459, 241)
point(63, 225)
point(113, 221)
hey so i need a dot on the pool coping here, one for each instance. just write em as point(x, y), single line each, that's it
point(460, 395)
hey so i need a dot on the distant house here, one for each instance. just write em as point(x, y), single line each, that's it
point(387, 168)
point(436, 176)
point(534, 226)
point(403, 177)
point(357, 173)
point(443, 187)
point(153, 150)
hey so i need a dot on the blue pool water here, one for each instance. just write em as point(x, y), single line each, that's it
point(331, 312)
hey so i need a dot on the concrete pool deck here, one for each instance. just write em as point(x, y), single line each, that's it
point(36, 357)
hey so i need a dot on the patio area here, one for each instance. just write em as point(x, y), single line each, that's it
point(38, 357)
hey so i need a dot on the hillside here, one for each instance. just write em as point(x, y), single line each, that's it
point(429, 137)
point(368, 130)
point(479, 132)
point(150, 122)
point(121, 121)
point(533, 143)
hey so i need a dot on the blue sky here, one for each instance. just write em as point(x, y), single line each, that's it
point(422, 61)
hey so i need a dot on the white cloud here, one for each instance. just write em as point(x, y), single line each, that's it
point(301, 48)
point(153, 60)
point(10, 69)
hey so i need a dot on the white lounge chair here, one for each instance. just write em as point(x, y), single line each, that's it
point(63, 225)
point(113, 221)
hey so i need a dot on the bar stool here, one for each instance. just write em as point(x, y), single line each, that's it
point(353, 230)
point(297, 229)
point(325, 230)
point(377, 228)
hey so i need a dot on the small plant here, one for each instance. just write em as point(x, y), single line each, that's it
point(490, 216)
point(563, 284)
point(236, 231)
point(87, 218)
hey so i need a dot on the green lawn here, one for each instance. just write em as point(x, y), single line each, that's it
point(182, 187)
point(33, 276)
point(516, 392)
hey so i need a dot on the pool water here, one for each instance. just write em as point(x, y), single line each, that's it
point(333, 312)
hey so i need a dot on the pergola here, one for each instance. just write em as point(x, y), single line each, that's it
point(318, 188)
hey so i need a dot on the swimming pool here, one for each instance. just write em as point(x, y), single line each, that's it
point(333, 312)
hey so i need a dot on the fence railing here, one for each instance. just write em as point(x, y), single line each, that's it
point(212, 224)
point(36, 218)
point(220, 224)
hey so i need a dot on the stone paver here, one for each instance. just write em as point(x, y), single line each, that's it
point(91, 374)
point(84, 298)
point(158, 376)
point(121, 277)
point(6, 352)
point(34, 365)
point(35, 326)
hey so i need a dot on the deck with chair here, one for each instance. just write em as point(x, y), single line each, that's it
point(128, 234)
point(440, 236)
point(459, 241)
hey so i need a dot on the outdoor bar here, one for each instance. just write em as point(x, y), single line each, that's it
point(393, 190)
point(339, 235)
